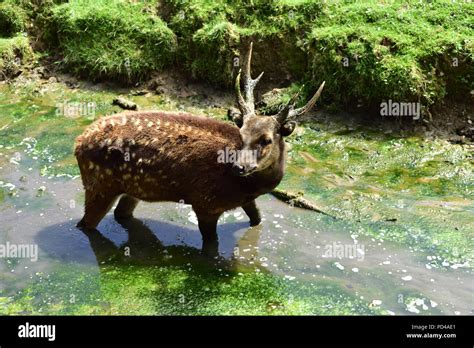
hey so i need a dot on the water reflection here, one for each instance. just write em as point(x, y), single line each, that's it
point(143, 247)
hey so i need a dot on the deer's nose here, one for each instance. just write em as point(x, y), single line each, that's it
point(238, 169)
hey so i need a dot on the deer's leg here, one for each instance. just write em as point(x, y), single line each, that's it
point(208, 228)
point(96, 206)
point(253, 213)
point(125, 207)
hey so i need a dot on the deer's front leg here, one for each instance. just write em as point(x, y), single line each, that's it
point(208, 228)
point(253, 213)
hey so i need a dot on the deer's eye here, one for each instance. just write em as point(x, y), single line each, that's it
point(265, 141)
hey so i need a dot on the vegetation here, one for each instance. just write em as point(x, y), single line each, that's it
point(15, 49)
point(394, 192)
point(371, 50)
point(111, 39)
point(12, 19)
point(14, 52)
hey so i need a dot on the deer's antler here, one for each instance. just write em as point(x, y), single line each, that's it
point(289, 113)
point(246, 104)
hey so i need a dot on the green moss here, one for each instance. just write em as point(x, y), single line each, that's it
point(402, 51)
point(14, 53)
point(2, 194)
point(173, 290)
point(426, 186)
point(406, 51)
point(12, 19)
point(112, 39)
point(393, 50)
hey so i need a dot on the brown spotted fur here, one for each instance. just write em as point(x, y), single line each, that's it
point(173, 157)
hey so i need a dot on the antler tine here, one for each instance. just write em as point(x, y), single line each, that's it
point(249, 83)
point(247, 104)
point(243, 106)
point(297, 112)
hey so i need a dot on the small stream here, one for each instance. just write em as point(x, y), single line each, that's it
point(386, 251)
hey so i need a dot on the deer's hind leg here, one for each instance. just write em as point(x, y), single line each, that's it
point(97, 204)
point(125, 207)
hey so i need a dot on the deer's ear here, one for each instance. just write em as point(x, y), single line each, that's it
point(235, 116)
point(287, 128)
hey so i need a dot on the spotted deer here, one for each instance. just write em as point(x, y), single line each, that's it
point(165, 156)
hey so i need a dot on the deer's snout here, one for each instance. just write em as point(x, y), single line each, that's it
point(240, 169)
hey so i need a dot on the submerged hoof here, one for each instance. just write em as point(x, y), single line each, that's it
point(255, 222)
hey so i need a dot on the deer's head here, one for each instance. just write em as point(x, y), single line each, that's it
point(262, 135)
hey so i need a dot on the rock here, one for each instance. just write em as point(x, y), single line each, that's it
point(125, 103)
point(271, 101)
point(41, 190)
point(467, 132)
point(457, 139)
point(139, 92)
point(160, 90)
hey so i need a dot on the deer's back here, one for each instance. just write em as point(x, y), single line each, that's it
point(159, 156)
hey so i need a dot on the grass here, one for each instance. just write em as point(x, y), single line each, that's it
point(415, 51)
point(111, 39)
point(15, 52)
point(372, 51)
point(12, 19)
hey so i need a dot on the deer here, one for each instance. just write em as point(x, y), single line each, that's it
point(158, 156)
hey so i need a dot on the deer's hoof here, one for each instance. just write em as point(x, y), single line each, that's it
point(255, 222)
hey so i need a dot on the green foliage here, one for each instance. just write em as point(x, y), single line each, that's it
point(12, 19)
point(403, 51)
point(14, 52)
point(112, 39)
point(367, 51)
point(371, 51)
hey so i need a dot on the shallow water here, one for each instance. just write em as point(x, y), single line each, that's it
point(291, 264)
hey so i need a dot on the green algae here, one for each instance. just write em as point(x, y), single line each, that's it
point(133, 289)
point(414, 192)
